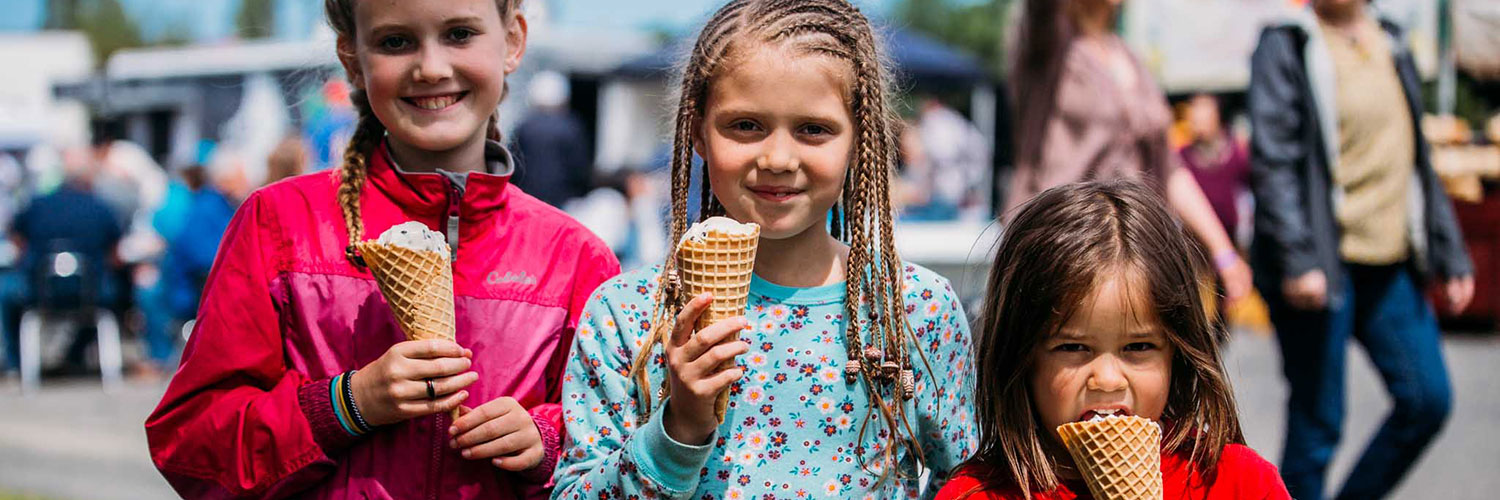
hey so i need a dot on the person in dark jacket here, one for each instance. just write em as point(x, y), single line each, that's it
point(1350, 219)
point(71, 220)
point(553, 162)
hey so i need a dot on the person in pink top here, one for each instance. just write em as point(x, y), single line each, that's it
point(297, 380)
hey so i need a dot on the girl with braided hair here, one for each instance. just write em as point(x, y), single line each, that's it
point(847, 373)
point(297, 380)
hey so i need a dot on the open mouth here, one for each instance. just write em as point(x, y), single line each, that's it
point(1103, 413)
point(436, 102)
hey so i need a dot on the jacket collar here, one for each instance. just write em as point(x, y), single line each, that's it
point(428, 193)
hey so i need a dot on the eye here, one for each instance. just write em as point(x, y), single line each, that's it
point(815, 129)
point(1140, 347)
point(461, 35)
point(394, 43)
point(744, 126)
point(1071, 347)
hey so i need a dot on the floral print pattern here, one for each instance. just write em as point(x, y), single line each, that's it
point(793, 425)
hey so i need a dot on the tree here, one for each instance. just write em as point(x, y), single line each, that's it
point(104, 22)
point(975, 26)
point(256, 19)
point(61, 15)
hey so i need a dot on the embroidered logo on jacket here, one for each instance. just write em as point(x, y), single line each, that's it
point(495, 278)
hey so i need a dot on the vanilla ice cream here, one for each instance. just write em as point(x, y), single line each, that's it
point(415, 235)
point(722, 225)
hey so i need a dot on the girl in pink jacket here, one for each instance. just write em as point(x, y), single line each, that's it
point(297, 381)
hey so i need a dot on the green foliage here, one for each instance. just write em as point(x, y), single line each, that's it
point(1473, 101)
point(256, 19)
point(105, 22)
point(975, 26)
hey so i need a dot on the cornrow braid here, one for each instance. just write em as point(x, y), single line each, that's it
point(874, 313)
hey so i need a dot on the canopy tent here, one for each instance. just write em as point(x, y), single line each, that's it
point(917, 58)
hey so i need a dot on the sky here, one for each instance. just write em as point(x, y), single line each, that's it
point(208, 21)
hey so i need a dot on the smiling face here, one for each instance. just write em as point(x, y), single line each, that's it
point(776, 135)
point(433, 70)
point(1110, 356)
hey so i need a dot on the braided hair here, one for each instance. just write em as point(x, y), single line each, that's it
point(876, 334)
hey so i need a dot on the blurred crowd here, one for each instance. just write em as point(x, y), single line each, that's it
point(104, 230)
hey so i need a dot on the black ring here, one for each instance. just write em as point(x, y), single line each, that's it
point(431, 393)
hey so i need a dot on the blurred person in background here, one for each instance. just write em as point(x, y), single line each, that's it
point(192, 221)
point(1218, 161)
point(134, 186)
point(947, 166)
point(289, 159)
point(1350, 218)
point(553, 161)
point(70, 219)
point(1086, 109)
point(625, 210)
point(12, 183)
point(131, 183)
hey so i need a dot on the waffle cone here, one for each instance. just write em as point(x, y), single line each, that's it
point(417, 284)
point(721, 264)
point(1120, 457)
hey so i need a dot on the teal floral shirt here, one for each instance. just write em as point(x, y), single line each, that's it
point(793, 424)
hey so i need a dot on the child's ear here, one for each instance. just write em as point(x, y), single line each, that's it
point(698, 141)
point(350, 61)
point(515, 40)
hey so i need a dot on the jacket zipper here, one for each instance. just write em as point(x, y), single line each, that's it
point(439, 421)
point(455, 201)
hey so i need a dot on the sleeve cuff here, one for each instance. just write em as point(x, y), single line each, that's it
point(552, 450)
point(673, 465)
point(317, 407)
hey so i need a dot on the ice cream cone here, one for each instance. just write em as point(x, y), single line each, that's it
point(721, 263)
point(1119, 457)
point(418, 285)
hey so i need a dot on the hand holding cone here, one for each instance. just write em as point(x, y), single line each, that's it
point(1119, 457)
point(721, 262)
point(411, 266)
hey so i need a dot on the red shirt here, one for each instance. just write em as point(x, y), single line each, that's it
point(1242, 475)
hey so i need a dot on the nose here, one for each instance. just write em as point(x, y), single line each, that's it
point(780, 154)
point(432, 65)
point(1106, 375)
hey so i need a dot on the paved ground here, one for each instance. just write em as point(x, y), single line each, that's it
point(73, 442)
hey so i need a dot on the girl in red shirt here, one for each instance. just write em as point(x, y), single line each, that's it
point(1095, 308)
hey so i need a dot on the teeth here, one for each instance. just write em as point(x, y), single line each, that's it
point(435, 103)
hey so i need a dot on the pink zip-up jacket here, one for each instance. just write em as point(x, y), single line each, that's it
point(248, 413)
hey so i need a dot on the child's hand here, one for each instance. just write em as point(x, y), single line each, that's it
point(395, 387)
point(500, 430)
point(700, 366)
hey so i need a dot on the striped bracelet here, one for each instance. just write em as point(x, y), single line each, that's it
point(343, 405)
point(359, 420)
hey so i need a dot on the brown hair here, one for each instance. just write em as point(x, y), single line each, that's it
point(288, 159)
point(1042, 36)
point(1050, 258)
point(862, 219)
point(368, 132)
